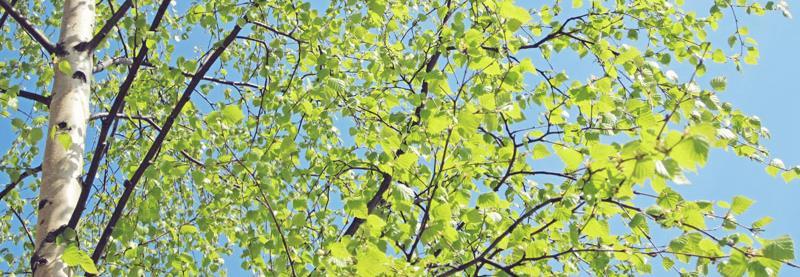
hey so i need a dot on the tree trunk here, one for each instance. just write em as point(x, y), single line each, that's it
point(63, 158)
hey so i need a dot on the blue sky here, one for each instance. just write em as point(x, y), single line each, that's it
point(768, 90)
point(771, 91)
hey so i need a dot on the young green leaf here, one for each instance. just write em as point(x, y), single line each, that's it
point(65, 67)
point(75, 257)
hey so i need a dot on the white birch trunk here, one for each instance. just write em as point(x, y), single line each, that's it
point(69, 112)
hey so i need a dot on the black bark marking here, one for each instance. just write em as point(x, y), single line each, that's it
point(36, 261)
point(52, 235)
point(60, 51)
point(43, 203)
point(63, 126)
point(79, 75)
point(82, 46)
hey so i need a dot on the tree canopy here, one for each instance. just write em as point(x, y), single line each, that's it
point(392, 137)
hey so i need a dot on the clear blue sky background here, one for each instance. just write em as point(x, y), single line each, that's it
point(770, 90)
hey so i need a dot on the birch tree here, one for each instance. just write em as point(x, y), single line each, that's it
point(376, 137)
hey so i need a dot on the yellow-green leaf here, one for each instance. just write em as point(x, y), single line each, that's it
point(75, 257)
point(65, 67)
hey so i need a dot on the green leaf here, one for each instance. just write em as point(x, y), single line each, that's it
point(596, 229)
point(628, 54)
point(488, 200)
point(487, 101)
point(64, 139)
point(150, 42)
point(375, 225)
point(740, 204)
point(780, 249)
point(667, 263)
point(789, 175)
point(356, 208)
point(232, 114)
point(690, 152)
point(75, 257)
point(719, 83)
point(450, 234)
point(571, 158)
point(65, 67)
point(437, 123)
point(540, 151)
point(772, 170)
point(188, 229)
point(35, 136)
point(339, 250)
point(371, 262)
point(406, 160)
point(516, 15)
point(735, 266)
point(752, 56)
point(468, 121)
point(687, 243)
point(719, 56)
point(644, 169)
point(668, 198)
point(442, 212)
point(764, 221)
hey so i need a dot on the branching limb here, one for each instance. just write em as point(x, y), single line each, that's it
point(507, 232)
point(153, 124)
point(101, 147)
point(26, 174)
point(5, 15)
point(277, 32)
point(210, 79)
point(110, 23)
point(32, 31)
point(151, 153)
point(45, 100)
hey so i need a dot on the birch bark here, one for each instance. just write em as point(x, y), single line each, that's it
point(63, 158)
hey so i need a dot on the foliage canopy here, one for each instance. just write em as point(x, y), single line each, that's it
point(402, 137)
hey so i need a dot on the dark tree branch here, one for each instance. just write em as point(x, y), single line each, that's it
point(555, 34)
point(110, 23)
point(210, 79)
point(271, 212)
point(435, 184)
point(572, 250)
point(150, 156)
point(45, 100)
point(277, 32)
point(5, 15)
point(387, 179)
point(153, 124)
point(24, 226)
point(505, 269)
point(35, 34)
point(508, 169)
point(26, 174)
point(371, 205)
point(101, 147)
point(567, 176)
point(507, 232)
point(701, 231)
point(147, 119)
